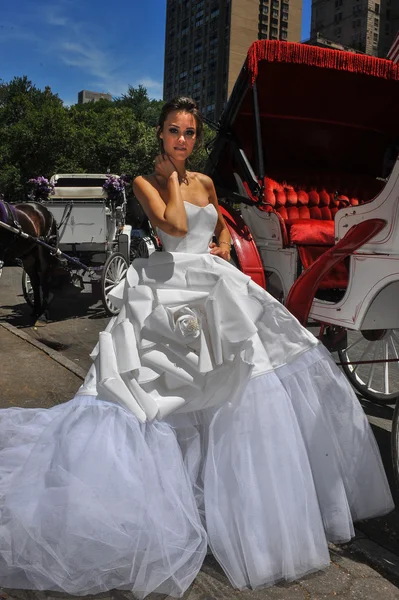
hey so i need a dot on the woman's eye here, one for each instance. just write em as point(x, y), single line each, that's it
point(173, 130)
point(190, 133)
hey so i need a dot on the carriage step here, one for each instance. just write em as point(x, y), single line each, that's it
point(334, 338)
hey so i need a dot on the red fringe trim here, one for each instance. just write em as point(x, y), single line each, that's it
point(313, 56)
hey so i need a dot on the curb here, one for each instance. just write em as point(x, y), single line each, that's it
point(56, 356)
point(376, 556)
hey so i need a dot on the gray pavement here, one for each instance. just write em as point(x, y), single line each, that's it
point(44, 366)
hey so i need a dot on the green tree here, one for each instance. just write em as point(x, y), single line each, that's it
point(144, 109)
point(40, 136)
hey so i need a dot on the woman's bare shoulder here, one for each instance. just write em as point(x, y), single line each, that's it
point(204, 179)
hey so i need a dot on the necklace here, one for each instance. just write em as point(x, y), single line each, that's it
point(184, 179)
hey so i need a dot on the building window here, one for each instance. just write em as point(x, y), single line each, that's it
point(284, 35)
point(338, 17)
point(265, 10)
point(214, 13)
point(199, 22)
point(376, 22)
point(274, 32)
point(377, 8)
point(275, 13)
point(337, 32)
point(375, 37)
point(338, 3)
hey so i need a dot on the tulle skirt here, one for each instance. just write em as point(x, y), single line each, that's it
point(90, 499)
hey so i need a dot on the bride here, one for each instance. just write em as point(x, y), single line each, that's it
point(210, 417)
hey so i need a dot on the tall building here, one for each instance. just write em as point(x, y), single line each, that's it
point(207, 42)
point(87, 96)
point(366, 25)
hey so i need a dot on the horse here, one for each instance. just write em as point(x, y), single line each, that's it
point(37, 221)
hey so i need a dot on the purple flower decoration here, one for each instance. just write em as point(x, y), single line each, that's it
point(41, 188)
point(114, 185)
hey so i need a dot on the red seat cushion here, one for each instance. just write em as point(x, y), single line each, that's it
point(310, 232)
point(337, 278)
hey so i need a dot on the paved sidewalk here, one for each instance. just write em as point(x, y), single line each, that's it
point(348, 578)
point(33, 375)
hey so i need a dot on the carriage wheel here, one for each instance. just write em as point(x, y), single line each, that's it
point(27, 289)
point(114, 271)
point(377, 380)
point(395, 443)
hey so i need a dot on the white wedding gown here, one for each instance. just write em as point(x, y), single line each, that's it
point(209, 417)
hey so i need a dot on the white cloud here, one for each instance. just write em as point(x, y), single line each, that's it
point(75, 45)
point(155, 88)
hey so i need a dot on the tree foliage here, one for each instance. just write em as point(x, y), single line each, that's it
point(41, 136)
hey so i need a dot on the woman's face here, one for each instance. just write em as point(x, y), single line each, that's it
point(179, 134)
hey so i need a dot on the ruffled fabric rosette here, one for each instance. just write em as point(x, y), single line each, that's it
point(174, 349)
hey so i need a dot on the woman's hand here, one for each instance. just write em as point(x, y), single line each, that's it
point(164, 167)
point(223, 250)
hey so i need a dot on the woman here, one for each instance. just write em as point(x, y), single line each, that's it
point(209, 417)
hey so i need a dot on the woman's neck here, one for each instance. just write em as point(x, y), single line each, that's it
point(182, 171)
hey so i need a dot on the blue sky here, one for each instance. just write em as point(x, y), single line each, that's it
point(98, 45)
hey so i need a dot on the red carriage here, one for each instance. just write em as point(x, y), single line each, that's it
point(305, 166)
point(306, 169)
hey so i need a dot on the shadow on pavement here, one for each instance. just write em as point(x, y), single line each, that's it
point(66, 304)
point(383, 530)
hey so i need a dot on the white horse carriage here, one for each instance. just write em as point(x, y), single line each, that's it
point(307, 149)
point(92, 232)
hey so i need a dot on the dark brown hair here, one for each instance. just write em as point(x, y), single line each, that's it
point(183, 104)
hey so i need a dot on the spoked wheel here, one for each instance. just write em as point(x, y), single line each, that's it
point(27, 289)
point(395, 443)
point(372, 363)
point(114, 271)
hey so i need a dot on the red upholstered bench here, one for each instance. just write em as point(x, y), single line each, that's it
point(306, 214)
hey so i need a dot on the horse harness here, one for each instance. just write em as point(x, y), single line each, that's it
point(8, 215)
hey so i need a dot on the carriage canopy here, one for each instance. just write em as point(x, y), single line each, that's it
point(320, 110)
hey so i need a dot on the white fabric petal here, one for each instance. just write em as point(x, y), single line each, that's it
point(146, 402)
point(124, 340)
point(140, 303)
point(180, 297)
point(115, 390)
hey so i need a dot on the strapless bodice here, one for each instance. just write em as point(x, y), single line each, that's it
point(201, 222)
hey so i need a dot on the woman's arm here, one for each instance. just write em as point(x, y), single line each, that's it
point(170, 217)
point(223, 246)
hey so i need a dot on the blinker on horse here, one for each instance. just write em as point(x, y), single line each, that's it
point(37, 221)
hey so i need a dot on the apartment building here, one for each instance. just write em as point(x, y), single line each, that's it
point(366, 25)
point(207, 42)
